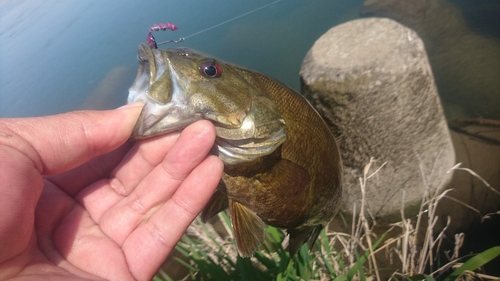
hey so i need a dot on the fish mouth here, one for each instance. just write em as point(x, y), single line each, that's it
point(165, 110)
point(239, 151)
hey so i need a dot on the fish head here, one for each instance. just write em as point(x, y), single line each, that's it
point(181, 85)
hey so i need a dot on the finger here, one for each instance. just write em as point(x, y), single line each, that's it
point(140, 161)
point(189, 150)
point(100, 196)
point(73, 181)
point(61, 142)
point(148, 246)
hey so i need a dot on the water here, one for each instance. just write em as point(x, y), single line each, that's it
point(57, 56)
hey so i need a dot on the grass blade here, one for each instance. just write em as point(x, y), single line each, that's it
point(358, 266)
point(475, 262)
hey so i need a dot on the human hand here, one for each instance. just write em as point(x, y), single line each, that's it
point(80, 201)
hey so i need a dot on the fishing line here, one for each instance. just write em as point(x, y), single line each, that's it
point(219, 24)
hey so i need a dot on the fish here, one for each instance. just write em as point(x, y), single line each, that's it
point(282, 165)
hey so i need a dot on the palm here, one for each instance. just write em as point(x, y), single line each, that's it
point(119, 215)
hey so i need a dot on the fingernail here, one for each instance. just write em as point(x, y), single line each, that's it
point(130, 105)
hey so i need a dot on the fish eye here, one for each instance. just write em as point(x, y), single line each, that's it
point(210, 69)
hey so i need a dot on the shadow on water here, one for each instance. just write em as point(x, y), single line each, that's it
point(481, 16)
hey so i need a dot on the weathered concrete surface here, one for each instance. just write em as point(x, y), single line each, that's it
point(371, 78)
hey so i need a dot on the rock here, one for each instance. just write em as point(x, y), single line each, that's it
point(465, 63)
point(371, 78)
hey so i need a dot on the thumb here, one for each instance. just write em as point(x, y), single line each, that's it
point(61, 142)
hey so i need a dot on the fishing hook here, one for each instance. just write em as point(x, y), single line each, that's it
point(161, 26)
point(165, 26)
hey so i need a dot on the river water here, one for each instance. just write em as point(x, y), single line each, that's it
point(57, 56)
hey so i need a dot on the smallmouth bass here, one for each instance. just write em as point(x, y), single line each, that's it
point(282, 163)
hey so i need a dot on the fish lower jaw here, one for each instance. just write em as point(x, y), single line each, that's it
point(159, 119)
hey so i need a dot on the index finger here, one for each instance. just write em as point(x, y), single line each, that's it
point(61, 142)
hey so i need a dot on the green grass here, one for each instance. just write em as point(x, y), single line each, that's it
point(471, 265)
point(212, 255)
point(217, 259)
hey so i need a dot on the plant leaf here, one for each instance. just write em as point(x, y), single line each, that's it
point(475, 262)
point(358, 266)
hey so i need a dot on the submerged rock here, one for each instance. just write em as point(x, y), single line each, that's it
point(109, 93)
point(372, 79)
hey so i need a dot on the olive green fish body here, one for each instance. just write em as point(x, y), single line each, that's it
point(282, 164)
point(303, 188)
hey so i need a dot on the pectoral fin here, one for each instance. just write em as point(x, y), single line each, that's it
point(217, 203)
point(249, 229)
